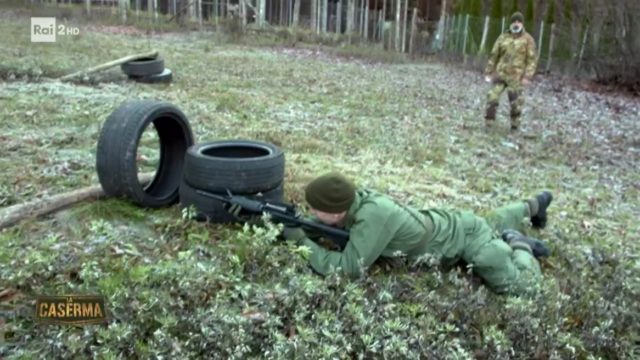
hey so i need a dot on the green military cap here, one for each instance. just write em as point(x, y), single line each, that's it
point(331, 193)
point(517, 16)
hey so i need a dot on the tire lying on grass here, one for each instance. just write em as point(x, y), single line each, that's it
point(164, 77)
point(116, 159)
point(212, 210)
point(143, 67)
point(240, 166)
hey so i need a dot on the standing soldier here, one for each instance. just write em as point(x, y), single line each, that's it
point(511, 66)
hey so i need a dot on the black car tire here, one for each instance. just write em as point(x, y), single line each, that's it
point(143, 67)
point(240, 166)
point(117, 151)
point(164, 77)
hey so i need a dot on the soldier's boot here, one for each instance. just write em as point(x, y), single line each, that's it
point(490, 115)
point(538, 208)
point(517, 240)
point(515, 100)
point(515, 122)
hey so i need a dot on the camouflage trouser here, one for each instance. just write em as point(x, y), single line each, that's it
point(515, 99)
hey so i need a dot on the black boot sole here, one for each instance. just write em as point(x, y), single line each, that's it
point(540, 219)
point(538, 248)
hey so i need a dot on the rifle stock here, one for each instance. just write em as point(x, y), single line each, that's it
point(282, 213)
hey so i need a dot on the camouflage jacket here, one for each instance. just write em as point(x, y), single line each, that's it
point(513, 57)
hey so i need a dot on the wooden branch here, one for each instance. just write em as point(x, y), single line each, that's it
point(13, 214)
point(110, 64)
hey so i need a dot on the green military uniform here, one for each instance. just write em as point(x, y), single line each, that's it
point(379, 226)
point(512, 59)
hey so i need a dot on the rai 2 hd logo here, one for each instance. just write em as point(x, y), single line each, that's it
point(46, 30)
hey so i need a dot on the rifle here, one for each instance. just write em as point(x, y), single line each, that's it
point(282, 213)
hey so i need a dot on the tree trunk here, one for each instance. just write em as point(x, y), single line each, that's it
point(243, 14)
point(350, 15)
point(414, 26)
point(404, 25)
point(442, 28)
point(155, 10)
point(88, 4)
point(366, 20)
point(325, 15)
point(262, 9)
point(339, 17)
point(383, 19)
point(123, 10)
point(361, 18)
point(313, 16)
point(296, 13)
point(397, 34)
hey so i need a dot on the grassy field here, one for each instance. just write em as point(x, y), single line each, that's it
point(414, 129)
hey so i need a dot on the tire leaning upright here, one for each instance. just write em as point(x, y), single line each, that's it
point(117, 151)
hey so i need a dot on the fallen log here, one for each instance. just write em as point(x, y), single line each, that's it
point(13, 214)
point(152, 54)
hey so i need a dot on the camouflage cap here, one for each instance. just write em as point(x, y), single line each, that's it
point(331, 193)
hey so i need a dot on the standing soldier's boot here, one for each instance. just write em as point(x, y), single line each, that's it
point(490, 115)
point(515, 122)
point(516, 100)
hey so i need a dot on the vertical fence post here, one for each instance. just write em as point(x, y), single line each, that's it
point(460, 32)
point(464, 41)
point(550, 53)
point(503, 25)
point(584, 43)
point(540, 37)
point(485, 32)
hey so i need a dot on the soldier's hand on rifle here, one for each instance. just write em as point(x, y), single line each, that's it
point(293, 233)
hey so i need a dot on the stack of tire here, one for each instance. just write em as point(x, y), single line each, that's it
point(243, 167)
point(147, 70)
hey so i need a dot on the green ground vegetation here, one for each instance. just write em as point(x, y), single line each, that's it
point(176, 288)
